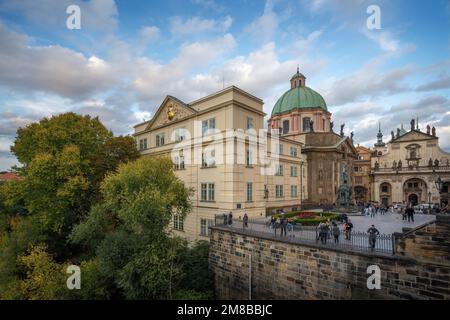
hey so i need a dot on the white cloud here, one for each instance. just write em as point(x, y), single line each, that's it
point(96, 15)
point(180, 27)
point(51, 68)
point(383, 39)
point(368, 81)
point(265, 26)
point(149, 33)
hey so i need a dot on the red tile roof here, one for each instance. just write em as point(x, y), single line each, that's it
point(9, 176)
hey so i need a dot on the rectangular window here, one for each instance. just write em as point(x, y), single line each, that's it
point(280, 148)
point(248, 160)
point(279, 191)
point(209, 124)
point(211, 192)
point(294, 171)
point(294, 193)
point(160, 139)
point(249, 191)
point(180, 134)
point(143, 144)
point(208, 160)
point(279, 170)
point(207, 192)
point(179, 163)
point(358, 180)
point(178, 222)
point(204, 227)
point(249, 123)
point(293, 152)
point(204, 193)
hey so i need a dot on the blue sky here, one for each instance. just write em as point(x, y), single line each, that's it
point(129, 54)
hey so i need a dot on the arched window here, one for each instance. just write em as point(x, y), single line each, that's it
point(305, 124)
point(285, 126)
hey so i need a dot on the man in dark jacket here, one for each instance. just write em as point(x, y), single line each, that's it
point(410, 214)
point(373, 233)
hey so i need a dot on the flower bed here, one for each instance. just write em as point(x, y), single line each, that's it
point(308, 218)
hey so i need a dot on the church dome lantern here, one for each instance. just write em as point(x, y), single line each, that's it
point(299, 96)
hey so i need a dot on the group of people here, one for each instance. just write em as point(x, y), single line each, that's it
point(407, 214)
point(228, 219)
point(283, 223)
point(326, 229)
point(372, 210)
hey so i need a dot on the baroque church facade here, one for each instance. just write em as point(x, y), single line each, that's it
point(411, 169)
point(218, 150)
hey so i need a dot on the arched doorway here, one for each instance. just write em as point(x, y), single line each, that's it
point(413, 199)
point(415, 191)
point(385, 194)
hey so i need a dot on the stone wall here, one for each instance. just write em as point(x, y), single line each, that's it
point(283, 270)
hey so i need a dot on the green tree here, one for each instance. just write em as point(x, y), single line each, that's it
point(63, 160)
point(52, 135)
point(129, 231)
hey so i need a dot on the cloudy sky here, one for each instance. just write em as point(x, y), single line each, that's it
point(129, 54)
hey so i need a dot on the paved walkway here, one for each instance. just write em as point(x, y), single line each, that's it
point(389, 222)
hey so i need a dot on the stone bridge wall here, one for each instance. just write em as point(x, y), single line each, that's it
point(280, 270)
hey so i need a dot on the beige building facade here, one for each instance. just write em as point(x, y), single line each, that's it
point(407, 169)
point(220, 150)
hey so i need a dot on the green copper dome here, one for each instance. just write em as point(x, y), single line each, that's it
point(299, 97)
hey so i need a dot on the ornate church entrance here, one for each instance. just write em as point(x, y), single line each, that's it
point(415, 191)
point(413, 199)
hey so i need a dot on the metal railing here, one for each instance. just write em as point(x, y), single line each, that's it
point(352, 241)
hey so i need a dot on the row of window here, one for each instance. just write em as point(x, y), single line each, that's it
point(279, 149)
point(208, 191)
point(294, 171)
point(180, 133)
point(208, 160)
point(178, 224)
point(306, 125)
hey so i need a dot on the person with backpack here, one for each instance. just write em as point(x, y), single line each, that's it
point(373, 233)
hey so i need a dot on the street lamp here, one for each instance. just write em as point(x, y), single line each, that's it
point(429, 202)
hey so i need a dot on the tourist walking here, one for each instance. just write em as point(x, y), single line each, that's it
point(230, 218)
point(348, 229)
point(245, 220)
point(336, 232)
point(403, 213)
point(225, 219)
point(283, 226)
point(373, 233)
point(323, 232)
point(410, 214)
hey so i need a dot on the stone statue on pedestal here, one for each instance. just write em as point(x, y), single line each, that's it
point(342, 129)
point(344, 192)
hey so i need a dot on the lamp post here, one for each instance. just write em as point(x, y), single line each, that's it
point(429, 202)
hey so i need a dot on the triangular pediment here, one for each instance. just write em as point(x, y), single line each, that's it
point(414, 135)
point(170, 110)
